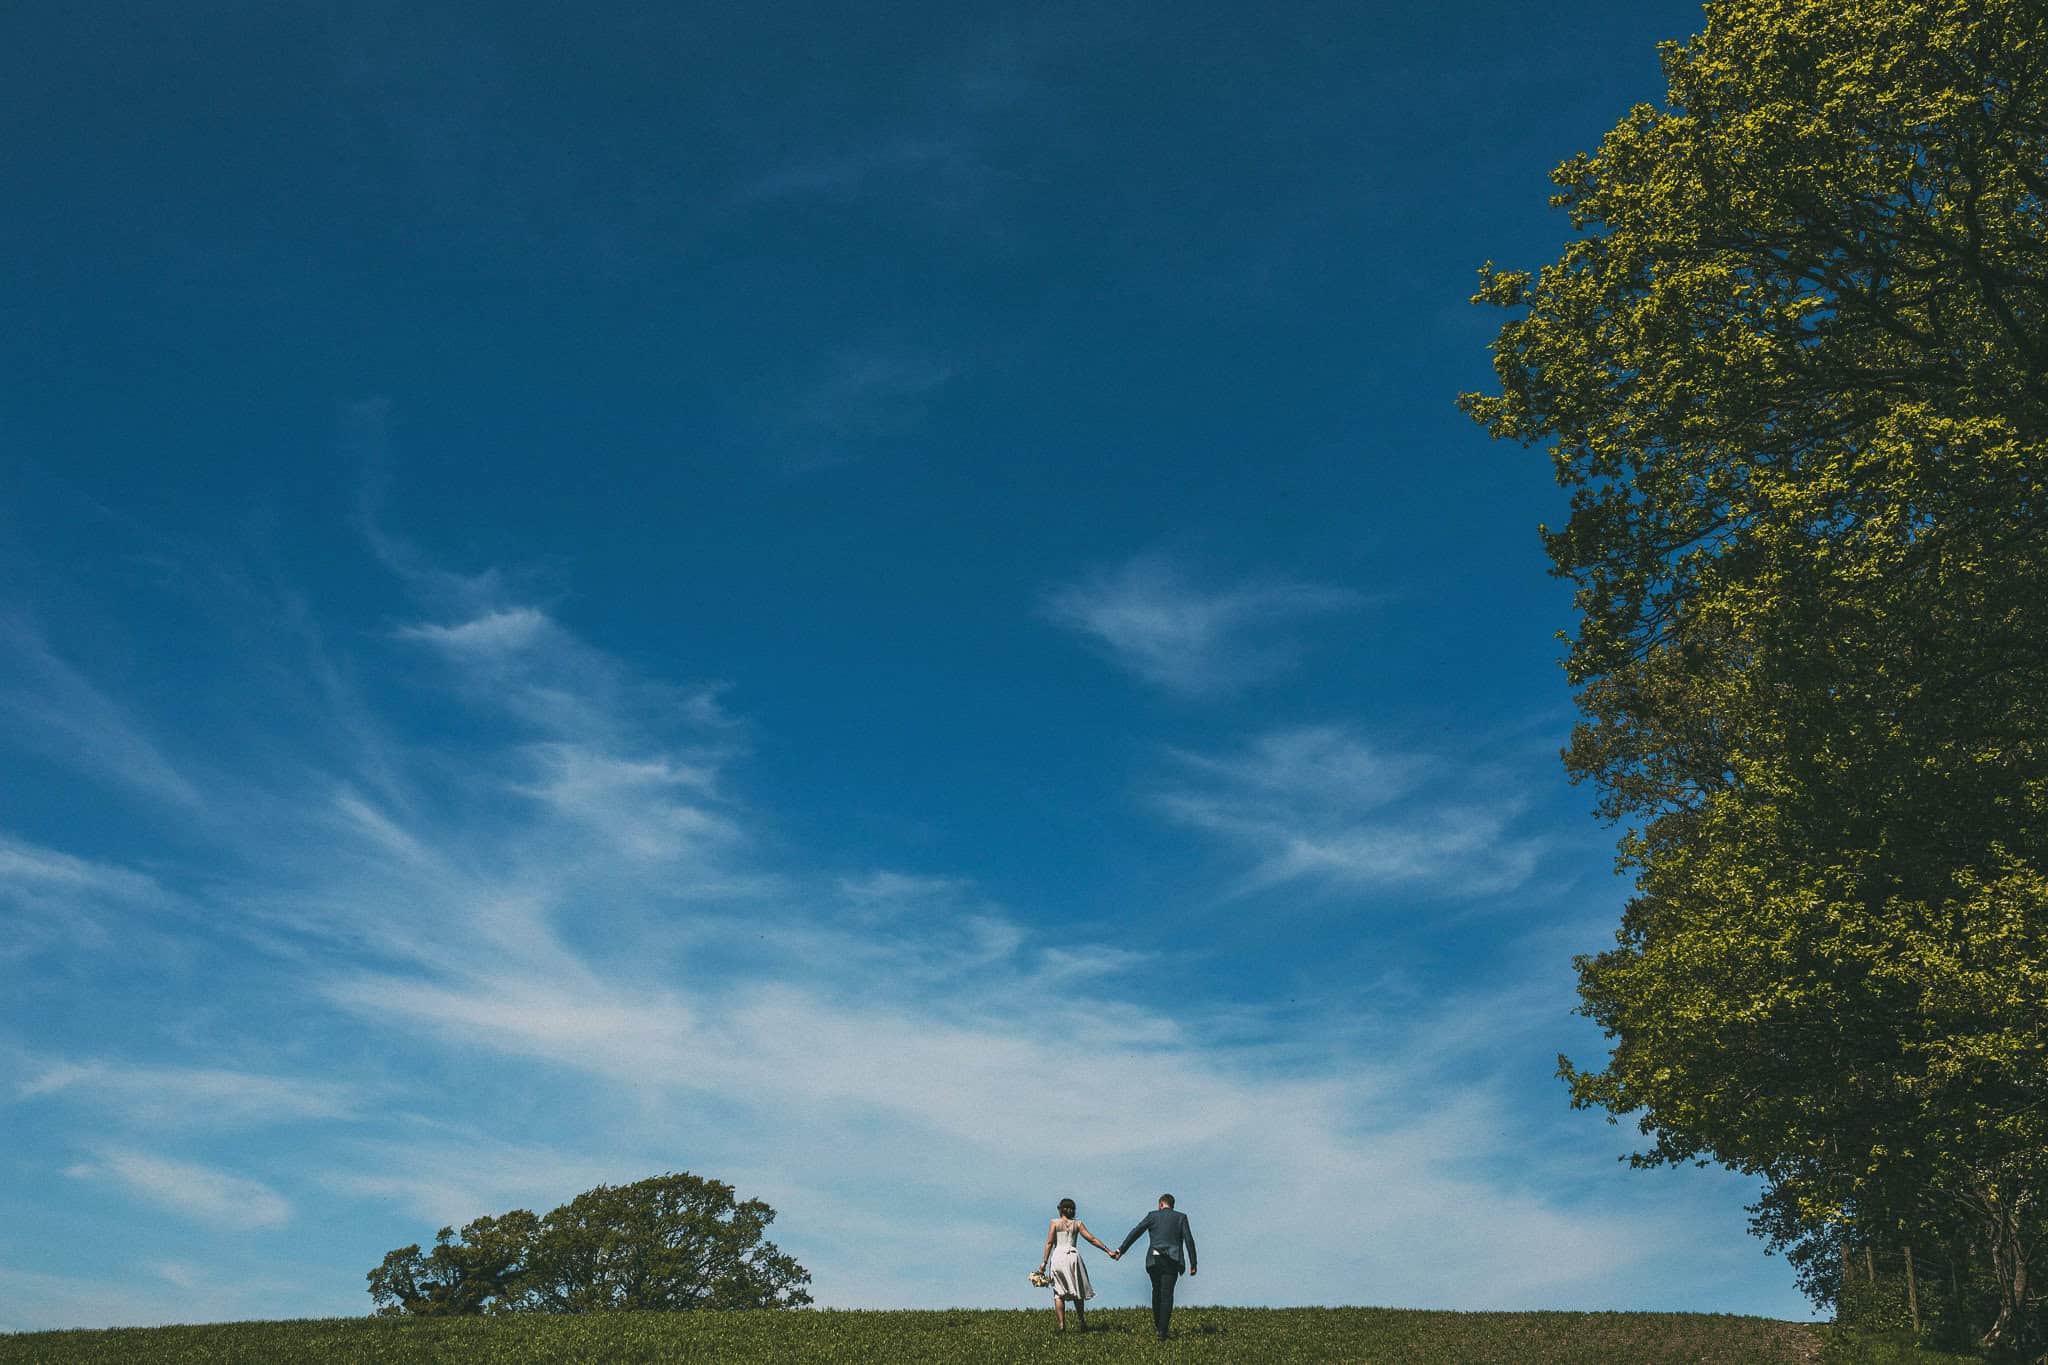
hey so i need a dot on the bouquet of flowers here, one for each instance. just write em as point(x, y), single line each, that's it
point(1039, 1279)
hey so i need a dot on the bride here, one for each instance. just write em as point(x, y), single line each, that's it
point(1063, 1265)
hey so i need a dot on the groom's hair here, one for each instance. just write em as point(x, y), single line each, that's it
point(1166, 1199)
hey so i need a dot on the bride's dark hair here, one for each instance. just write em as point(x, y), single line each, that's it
point(1067, 1207)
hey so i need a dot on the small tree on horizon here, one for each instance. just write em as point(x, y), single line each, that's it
point(457, 1277)
point(671, 1243)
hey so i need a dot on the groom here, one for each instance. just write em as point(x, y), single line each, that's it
point(1170, 1232)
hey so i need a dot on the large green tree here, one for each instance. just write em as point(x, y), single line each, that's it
point(675, 1242)
point(1793, 370)
point(671, 1243)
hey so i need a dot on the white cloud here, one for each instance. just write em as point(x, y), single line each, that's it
point(887, 889)
point(863, 395)
point(1319, 804)
point(32, 1301)
point(630, 801)
point(29, 869)
point(384, 832)
point(851, 169)
point(494, 632)
point(368, 745)
point(50, 707)
point(585, 1023)
point(1324, 765)
point(907, 1069)
point(175, 1096)
point(1003, 1066)
point(516, 661)
point(938, 163)
point(449, 1178)
point(54, 899)
point(189, 1189)
point(877, 1128)
point(1157, 624)
point(183, 1274)
point(813, 1042)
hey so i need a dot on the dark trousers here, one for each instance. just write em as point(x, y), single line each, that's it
point(1164, 1270)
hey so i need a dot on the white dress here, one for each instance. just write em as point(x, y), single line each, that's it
point(1067, 1271)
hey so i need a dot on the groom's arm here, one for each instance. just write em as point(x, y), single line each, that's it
point(1135, 1233)
point(1187, 1234)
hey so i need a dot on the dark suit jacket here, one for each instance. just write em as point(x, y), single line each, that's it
point(1169, 1231)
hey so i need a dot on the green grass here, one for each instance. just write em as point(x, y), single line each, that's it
point(1278, 1335)
point(1895, 1348)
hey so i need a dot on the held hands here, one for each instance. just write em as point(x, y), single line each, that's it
point(1116, 1255)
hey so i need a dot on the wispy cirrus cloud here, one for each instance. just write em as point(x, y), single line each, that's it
point(939, 161)
point(55, 709)
point(858, 399)
point(53, 898)
point(26, 869)
point(144, 1294)
point(651, 807)
point(806, 1035)
point(818, 1101)
point(515, 660)
point(188, 1188)
point(490, 634)
point(448, 1175)
point(159, 1097)
point(887, 889)
point(946, 159)
point(608, 968)
point(1150, 617)
point(1319, 804)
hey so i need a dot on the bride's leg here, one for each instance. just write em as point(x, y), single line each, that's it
point(1059, 1312)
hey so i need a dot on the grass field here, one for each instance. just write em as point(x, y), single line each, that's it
point(1206, 1334)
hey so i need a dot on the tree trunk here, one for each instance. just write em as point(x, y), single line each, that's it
point(1842, 1294)
point(1958, 1318)
point(2013, 1328)
point(1912, 1291)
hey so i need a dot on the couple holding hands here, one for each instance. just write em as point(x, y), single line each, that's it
point(1172, 1247)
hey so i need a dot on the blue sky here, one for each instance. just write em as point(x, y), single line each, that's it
point(888, 604)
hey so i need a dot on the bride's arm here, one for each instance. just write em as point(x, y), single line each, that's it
point(1044, 1260)
point(1091, 1237)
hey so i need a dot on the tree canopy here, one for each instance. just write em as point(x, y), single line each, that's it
point(1793, 371)
point(472, 1275)
point(672, 1243)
